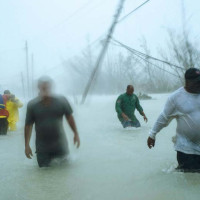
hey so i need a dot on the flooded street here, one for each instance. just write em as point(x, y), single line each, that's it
point(111, 164)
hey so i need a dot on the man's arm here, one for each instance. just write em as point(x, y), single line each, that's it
point(27, 136)
point(163, 120)
point(72, 124)
point(140, 109)
point(118, 105)
point(144, 116)
point(30, 119)
point(70, 119)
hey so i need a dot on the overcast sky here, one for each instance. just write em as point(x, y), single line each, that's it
point(59, 29)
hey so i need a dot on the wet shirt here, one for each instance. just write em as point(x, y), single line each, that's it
point(185, 108)
point(127, 104)
point(48, 120)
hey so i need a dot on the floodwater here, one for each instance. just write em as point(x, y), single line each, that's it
point(112, 163)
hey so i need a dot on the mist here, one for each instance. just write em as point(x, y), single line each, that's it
point(58, 33)
point(150, 49)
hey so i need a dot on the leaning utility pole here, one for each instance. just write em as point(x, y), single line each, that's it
point(27, 69)
point(103, 51)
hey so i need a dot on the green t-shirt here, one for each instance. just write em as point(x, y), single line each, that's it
point(127, 104)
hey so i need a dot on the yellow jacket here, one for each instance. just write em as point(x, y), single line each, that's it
point(12, 108)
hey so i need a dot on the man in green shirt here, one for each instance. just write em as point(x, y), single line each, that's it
point(125, 107)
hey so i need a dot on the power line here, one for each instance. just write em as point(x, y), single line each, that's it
point(163, 61)
point(77, 11)
point(146, 59)
point(147, 56)
point(123, 18)
point(96, 40)
point(68, 17)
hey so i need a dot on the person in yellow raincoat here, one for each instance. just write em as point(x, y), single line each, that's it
point(12, 106)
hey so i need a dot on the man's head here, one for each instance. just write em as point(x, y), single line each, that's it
point(192, 80)
point(7, 92)
point(45, 85)
point(130, 89)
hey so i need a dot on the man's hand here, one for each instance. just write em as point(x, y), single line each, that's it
point(72, 124)
point(150, 142)
point(125, 117)
point(76, 140)
point(145, 118)
point(28, 152)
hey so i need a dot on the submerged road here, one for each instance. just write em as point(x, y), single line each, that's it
point(111, 164)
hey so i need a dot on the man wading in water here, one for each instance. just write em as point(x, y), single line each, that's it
point(125, 107)
point(184, 105)
point(47, 112)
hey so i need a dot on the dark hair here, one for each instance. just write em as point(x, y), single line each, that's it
point(128, 86)
point(192, 74)
point(7, 92)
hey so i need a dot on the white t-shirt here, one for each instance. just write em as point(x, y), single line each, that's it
point(185, 108)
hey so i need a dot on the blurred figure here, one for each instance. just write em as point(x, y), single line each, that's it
point(4, 113)
point(125, 107)
point(184, 106)
point(12, 106)
point(6, 96)
point(46, 111)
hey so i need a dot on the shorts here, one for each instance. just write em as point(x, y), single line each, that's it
point(188, 162)
point(44, 159)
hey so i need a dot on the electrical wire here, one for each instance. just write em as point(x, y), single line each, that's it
point(147, 56)
point(146, 60)
point(123, 18)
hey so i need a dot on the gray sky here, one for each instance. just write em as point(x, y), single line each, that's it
point(60, 29)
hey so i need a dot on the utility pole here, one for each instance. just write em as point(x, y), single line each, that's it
point(32, 73)
point(23, 86)
point(27, 69)
point(103, 51)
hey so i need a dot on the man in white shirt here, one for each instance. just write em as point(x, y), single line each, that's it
point(184, 106)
